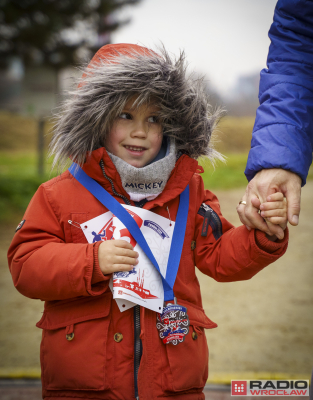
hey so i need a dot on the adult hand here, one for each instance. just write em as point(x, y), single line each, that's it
point(265, 183)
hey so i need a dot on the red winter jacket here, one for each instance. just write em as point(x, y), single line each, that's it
point(51, 260)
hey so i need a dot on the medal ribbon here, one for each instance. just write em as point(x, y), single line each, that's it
point(119, 211)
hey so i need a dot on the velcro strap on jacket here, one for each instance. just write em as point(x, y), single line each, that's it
point(211, 219)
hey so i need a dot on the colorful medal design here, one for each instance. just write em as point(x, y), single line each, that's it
point(173, 323)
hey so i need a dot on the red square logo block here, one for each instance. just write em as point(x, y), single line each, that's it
point(239, 388)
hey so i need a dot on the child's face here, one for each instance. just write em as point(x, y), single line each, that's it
point(136, 135)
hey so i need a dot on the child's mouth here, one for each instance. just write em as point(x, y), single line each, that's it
point(135, 149)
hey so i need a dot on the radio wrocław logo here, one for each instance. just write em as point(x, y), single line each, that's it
point(270, 388)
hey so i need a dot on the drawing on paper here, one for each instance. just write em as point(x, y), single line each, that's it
point(135, 286)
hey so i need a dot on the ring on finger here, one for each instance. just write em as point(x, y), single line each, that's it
point(242, 202)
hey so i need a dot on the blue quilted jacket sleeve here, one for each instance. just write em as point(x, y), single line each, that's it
point(283, 130)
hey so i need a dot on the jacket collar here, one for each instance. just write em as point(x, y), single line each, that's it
point(181, 175)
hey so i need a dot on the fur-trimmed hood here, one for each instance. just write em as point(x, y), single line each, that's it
point(118, 72)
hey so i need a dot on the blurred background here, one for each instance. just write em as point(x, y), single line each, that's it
point(265, 325)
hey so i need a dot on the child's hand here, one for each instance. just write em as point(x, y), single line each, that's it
point(116, 255)
point(275, 211)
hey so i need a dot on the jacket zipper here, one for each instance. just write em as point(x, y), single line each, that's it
point(137, 340)
point(112, 185)
point(137, 347)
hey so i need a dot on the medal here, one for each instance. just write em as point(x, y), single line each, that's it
point(173, 323)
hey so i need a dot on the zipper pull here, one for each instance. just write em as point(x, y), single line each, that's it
point(206, 222)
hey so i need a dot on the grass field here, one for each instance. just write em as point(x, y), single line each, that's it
point(18, 160)
point(19, 179)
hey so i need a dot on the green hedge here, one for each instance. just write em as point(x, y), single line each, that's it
point(15, 194)
point(19, 182)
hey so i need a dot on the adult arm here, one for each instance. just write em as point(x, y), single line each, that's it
point(282, 138)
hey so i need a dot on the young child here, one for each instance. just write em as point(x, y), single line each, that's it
point(136, 125)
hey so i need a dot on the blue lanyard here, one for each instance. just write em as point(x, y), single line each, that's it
point(119, 211)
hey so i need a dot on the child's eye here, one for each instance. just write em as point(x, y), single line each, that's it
point(125, 116)
point(153, 119)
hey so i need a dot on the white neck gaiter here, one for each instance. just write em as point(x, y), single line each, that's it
point(149, 181)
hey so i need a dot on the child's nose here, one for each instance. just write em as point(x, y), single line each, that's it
point(140, 129)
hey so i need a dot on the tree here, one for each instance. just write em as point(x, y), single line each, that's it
point(56, 33)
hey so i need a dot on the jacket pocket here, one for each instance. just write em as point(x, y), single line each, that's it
point(76, 232)
point(188, 361)
point(73, 347)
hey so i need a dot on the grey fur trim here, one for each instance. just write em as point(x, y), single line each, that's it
point(89, 112)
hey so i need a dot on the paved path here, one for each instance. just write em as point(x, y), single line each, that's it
point(19, 389)
point(265, 324)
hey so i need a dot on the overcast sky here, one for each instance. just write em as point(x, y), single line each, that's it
point(223, 39)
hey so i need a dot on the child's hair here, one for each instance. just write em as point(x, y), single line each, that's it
point(119, 72)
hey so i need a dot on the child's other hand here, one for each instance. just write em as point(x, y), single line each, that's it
point(116, 255)
point(274, 210)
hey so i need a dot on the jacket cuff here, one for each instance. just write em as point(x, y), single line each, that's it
point(97, 275)
point(267, 245)
point(268, 153)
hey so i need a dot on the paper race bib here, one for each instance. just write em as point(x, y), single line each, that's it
point(143, 284)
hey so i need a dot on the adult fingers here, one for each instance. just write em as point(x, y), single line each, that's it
point(293, 196)
point(257, 221)
point(258, 189)
point(241, 212)
point(252, 217)
point(256, 202)
point(275, 229)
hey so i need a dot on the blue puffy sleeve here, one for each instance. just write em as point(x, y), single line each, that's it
point(283, 130)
